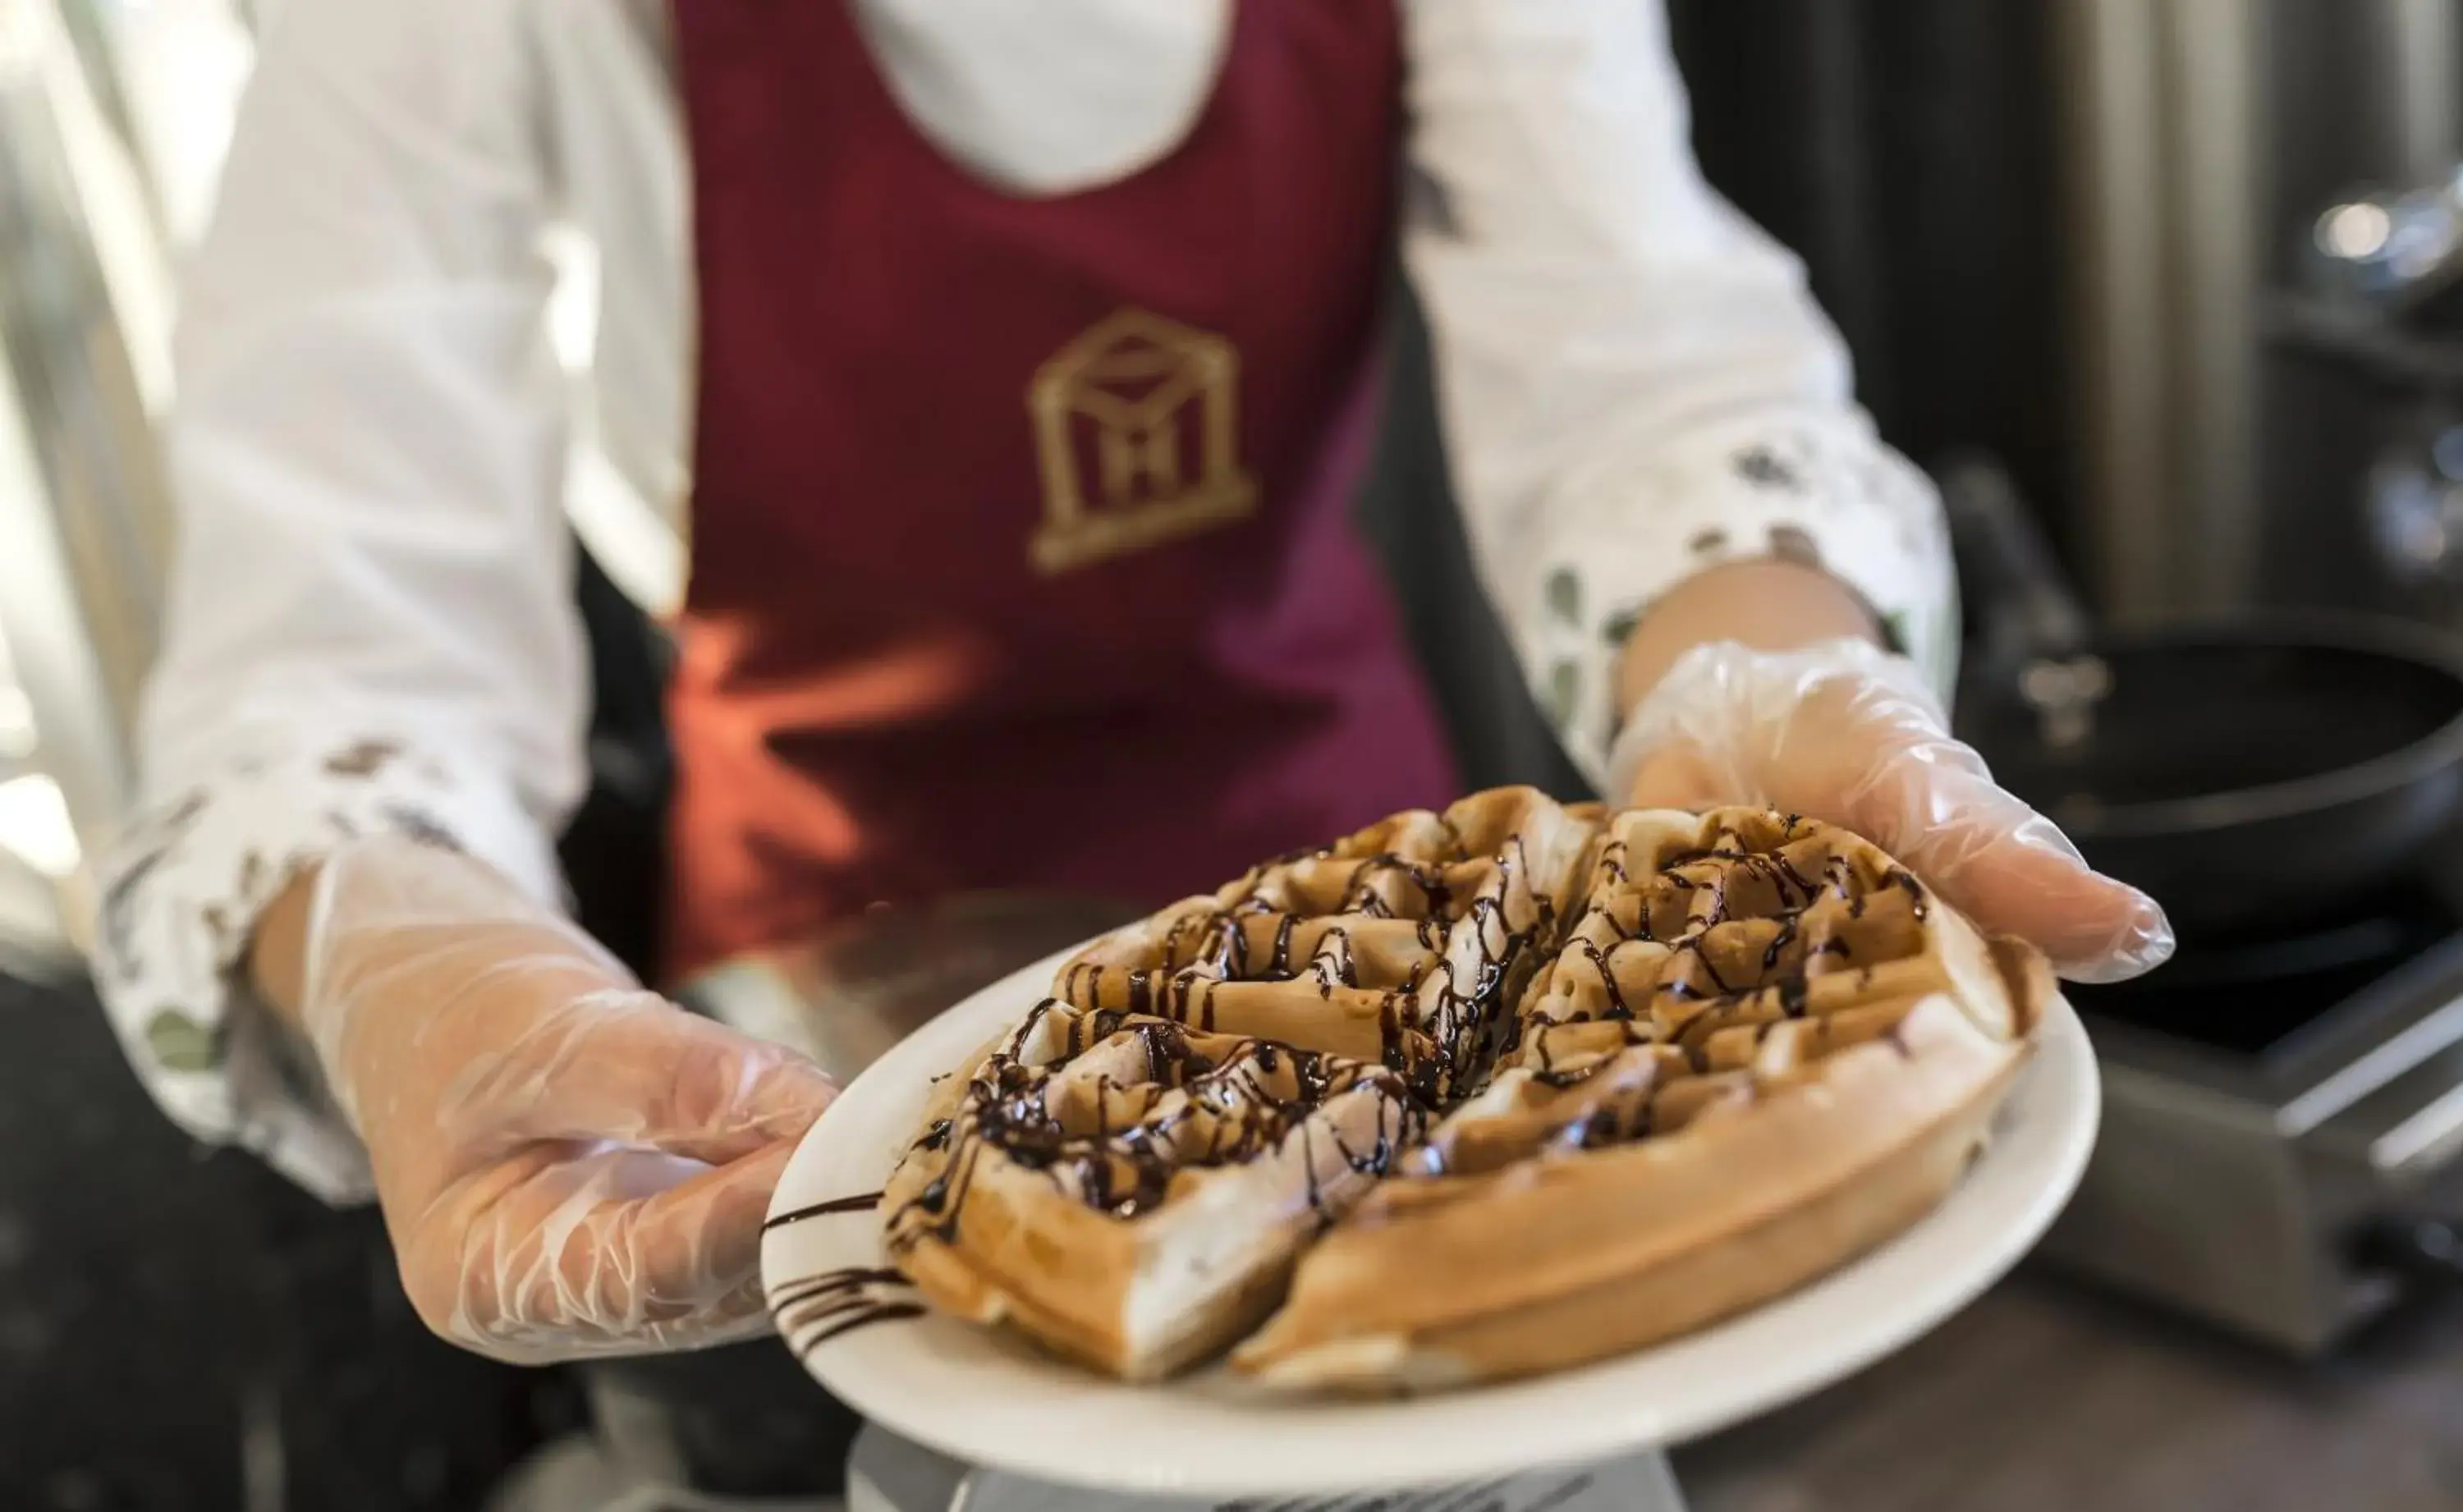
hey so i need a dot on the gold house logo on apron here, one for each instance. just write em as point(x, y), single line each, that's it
point(1137, 428)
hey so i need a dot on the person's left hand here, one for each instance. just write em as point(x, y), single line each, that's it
point(1845, 732)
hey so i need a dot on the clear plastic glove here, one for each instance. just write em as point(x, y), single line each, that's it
point(569, 1166)
point(1847, 732)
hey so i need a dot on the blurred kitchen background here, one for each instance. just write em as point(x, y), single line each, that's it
point(2181, 275)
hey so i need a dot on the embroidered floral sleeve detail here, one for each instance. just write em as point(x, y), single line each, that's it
point(1826, 496)
point(181, 892)
point(363, 759)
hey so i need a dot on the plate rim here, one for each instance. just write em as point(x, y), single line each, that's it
point(2061, 1048)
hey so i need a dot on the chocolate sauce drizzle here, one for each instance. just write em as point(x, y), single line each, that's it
point(1693, 1002)
point(863, 1203)
point(1698, 981)
point(1236, 1108)
point(1438, 1031)
point(1201, 1101)
point(819, 1308)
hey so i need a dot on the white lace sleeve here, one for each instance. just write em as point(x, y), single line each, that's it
point(1823, 492)
point(1635, 381)
point(371, 623)
point(181, 893)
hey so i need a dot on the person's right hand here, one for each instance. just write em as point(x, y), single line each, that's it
point(568, 1165)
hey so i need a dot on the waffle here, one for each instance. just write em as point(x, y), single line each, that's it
point(1404, 945)
point(1468, 1096)
point(1760, 1048)
point(1133, 1193)
point(1129, 1179)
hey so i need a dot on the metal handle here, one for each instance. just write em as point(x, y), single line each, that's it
point(2037, 632)
point(2031, 613)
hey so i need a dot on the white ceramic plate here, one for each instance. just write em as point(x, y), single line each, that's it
point(990, 1400)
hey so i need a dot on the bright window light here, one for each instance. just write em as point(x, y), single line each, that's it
point(35, 825)
point(16, 724)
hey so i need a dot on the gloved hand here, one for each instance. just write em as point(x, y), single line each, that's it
point(568, 1165)
point(1847, 732)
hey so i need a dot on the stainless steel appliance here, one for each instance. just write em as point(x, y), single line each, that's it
point(2283, 1123)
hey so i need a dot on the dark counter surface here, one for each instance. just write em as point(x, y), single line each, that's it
point(2048, 1397)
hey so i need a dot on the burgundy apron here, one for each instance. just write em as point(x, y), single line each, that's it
point(1022, 555)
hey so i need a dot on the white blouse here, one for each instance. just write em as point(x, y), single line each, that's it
point(371, 623)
